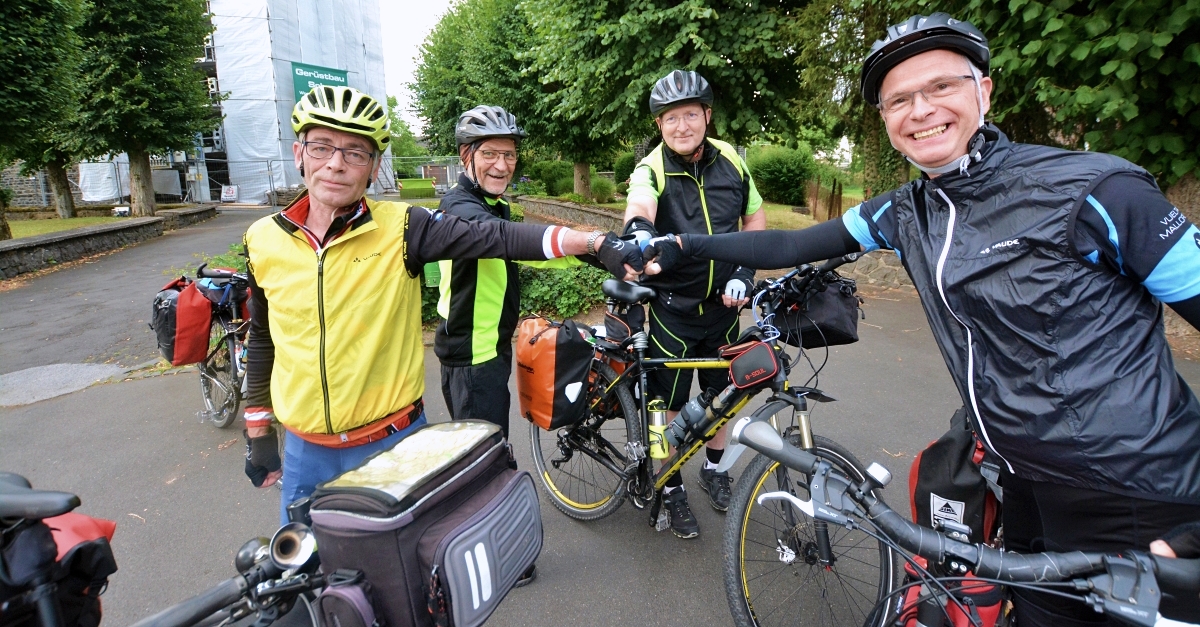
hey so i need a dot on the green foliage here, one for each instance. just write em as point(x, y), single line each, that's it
point(549, 173)
point(6, 196)
point(1120, 76)
point(599, 61)
point(622, 188)
point(38, 51)
point(782, 174)
point(602, 189)
point(623, 166)
point(234, 258)
point(561, 293)
point(403, 141)
point(139, 88)
point(563, 186)
point(429, 301)
point(529, 187)
point(573, 197)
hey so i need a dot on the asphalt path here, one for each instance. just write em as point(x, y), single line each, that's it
point(97, 311)
point(135, 453)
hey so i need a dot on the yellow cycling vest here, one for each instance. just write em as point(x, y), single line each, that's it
point(346, 322)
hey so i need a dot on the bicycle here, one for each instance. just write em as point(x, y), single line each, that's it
point(1125, 586)
point(223, 371)
point(589, 469)
point(276, 580)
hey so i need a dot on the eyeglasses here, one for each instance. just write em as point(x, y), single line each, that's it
point(934, 91)
point(351, 156)
point(675, 119)
point(510, 156)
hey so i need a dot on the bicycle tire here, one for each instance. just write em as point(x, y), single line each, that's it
point(759, 592)
point(219, 384)
point(578, 485)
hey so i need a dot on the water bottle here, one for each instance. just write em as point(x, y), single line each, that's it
point(691, 415)
point(657, 410)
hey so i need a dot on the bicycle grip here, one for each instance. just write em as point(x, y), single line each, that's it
point(763, 438)
point(1180, 574)
point(200, 606)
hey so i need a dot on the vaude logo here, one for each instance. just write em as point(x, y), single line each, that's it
point(357, 259)
point(1008, 243)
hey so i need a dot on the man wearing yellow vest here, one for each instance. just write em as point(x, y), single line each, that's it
point(692, 183)
point(335, 345)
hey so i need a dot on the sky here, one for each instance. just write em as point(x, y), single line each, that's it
point(405, 24)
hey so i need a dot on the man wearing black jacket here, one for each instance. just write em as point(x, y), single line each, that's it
point(1042, 273)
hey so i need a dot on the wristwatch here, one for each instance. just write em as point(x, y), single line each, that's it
point(591, 241)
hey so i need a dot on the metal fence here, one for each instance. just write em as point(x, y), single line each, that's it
point(266, 182)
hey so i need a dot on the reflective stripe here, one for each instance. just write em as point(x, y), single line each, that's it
point(941, 264)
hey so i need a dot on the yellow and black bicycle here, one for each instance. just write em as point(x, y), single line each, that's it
point(589, 469)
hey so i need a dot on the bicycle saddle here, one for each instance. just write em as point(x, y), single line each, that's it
point(19, 500)
point(626, 292)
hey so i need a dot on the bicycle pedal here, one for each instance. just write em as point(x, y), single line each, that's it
point(204, 415)
point(664, 520)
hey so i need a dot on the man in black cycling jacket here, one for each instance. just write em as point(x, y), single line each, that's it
point(1042, 273)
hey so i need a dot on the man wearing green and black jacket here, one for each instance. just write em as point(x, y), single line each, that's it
point(481, 298)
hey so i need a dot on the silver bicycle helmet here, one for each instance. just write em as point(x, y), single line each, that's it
point(679, 87)
point(919, 34)
point(487, 122)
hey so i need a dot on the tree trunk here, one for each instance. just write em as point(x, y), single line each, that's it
point(64, 203)
point(5, 232)
point(141, 187)
point(583, 179)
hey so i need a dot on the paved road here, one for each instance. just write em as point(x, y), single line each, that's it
point(98, 312)
point(135, 453)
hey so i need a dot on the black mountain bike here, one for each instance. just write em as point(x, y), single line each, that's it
point(589, 469)
point(1128, 586)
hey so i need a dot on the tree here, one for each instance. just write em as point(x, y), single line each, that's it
point(36, 51)
point(403, 142)
point(140, 91)
point(1118, 76)
point(474, 56)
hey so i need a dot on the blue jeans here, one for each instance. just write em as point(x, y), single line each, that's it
point(306, 464)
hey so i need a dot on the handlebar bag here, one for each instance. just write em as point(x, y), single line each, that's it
point(442, 524)
point(553, 362)
point(984, 599)
point(180, 319)
point(825, 318)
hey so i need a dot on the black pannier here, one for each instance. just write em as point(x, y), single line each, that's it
point(442, 524)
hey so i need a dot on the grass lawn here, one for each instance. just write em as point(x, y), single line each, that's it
point(26, 228)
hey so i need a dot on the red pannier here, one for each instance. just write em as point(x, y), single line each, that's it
point(180, 320)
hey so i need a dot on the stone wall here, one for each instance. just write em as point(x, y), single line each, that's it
point(571, 213)
point(187, 216)
point(42, 251)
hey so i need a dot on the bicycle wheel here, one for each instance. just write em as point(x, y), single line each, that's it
point(569, 462)
point(218, 377)
point(772, 571)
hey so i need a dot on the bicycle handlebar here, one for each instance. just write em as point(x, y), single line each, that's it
point(204, 272)
point(214, 599)
point(983, 560)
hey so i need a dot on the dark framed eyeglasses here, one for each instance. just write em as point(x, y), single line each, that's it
point(352, 156)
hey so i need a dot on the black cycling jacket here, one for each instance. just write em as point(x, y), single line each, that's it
point(1062, 361)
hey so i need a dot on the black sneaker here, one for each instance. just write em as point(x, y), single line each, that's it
point(683, 522)
point(527, 577)
point(719, 487)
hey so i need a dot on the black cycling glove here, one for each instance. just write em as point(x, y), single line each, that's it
point(615, 253)
point(262, 456)
point(1184, 540)
point(664, 251)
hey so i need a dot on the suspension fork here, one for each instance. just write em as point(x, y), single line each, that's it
point(820, 527)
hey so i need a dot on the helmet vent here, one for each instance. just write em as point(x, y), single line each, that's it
point(362, 104)
point(346, 96)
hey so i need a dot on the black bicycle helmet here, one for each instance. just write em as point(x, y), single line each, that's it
point(677, 88)
point(918, 34)
point(487, 122)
